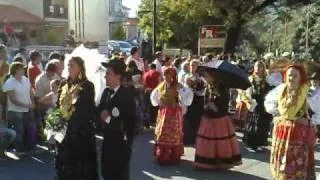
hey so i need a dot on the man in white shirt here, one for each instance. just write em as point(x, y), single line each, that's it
point(42, 85)
point(158, 61)
point(20, 101)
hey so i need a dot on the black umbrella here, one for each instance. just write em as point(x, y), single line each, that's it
point(227, 73)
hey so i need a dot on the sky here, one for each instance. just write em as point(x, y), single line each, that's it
point(133, 5)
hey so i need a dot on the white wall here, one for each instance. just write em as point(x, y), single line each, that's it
point(95, 21)
point(32, 6)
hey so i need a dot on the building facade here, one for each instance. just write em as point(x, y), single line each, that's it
point(87, 18)
point(54, 19)
point(118, 15)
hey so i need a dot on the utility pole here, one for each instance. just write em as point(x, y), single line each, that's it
point(307, 31)
point(154, 21)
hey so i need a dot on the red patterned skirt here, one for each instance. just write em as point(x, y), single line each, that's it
point(216, 144)
point(292, 152)
point(169, 136)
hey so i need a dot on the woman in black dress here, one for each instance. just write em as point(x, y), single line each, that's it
point(76, 157)
point(258, 121)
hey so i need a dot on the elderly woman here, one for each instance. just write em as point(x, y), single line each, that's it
point(216, 142)
point(170, 96)
point(76, 158)
point(258, 122)
point(292, 151)
point(194, 112)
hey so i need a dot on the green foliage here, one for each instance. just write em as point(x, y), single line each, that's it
point(178, 21)
point(313, 34)
point(119, 33)
point(54, 120)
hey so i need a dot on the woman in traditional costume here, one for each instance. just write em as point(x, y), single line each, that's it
point(170, 96)
point(76, 157)
point(195, 110)
point(216, 143)
point(293, 140)
point(258, 121)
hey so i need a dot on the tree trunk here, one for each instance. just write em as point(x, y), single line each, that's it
point(233, 34)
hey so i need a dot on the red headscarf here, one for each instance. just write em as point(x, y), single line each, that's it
point(301, 71)
point(170, 71)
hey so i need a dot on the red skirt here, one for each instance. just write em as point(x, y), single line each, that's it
point(169, 136)
point(216, 144)
point(292, 152)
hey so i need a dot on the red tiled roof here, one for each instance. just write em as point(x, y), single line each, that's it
point(17, 15)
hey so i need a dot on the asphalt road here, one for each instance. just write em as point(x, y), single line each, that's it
point(255, 166)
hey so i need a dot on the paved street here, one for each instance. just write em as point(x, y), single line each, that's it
point(40, 167)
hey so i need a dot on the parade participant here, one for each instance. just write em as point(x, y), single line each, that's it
point(293, 139)
point(118, 114)
point(76, 157)
point(216, 143)
point(257, 125)
point(169, 96)
point(194, 112)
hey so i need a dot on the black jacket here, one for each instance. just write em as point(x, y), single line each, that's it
point(119, 133)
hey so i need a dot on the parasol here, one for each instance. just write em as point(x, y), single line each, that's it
point(229, 74)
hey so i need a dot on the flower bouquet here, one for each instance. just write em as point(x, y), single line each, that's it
point(55, 125)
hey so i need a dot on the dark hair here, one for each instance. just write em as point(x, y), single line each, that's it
point(21, 50)
point(177, 62)
point(34, 55)
point(51, 67)
point(15, 66)
point(54, 55)
point(166, 59)
point(132, 65)
point(134, 50)
point(153, 66)
point(18, 59)
point(80, 63)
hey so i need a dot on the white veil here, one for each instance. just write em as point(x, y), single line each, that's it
point(94, 70)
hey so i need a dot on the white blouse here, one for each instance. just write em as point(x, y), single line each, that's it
point(271, 103)
point(314, 104)
point(185, 97)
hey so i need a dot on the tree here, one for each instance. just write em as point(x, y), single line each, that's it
point(119, 33)
point(308, 32)
point(179, 20)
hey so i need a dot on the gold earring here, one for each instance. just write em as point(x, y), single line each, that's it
point(80, 76)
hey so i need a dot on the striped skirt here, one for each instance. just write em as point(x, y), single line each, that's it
point(216, 144)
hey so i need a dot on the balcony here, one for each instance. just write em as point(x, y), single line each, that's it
point(56, 12)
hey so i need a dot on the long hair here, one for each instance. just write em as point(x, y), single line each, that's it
point(301, 71)
point(80, 62)
point(261, 65)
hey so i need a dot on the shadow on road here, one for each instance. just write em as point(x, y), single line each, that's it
point(142, 167)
